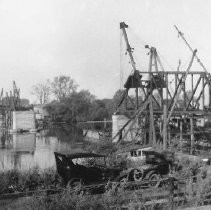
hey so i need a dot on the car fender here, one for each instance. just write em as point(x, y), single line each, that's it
point(150, 173)
point(73, 180)
point(132, 171)
point(124, 173)
point(118, 178)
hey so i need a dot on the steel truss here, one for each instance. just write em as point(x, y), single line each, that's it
point(163, 97)
point(8, 104)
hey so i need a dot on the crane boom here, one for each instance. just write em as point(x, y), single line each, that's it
point(129, 49)
point(182, 80)
point(191, 49)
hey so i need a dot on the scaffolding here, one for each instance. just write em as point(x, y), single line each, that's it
point(9, 103)
point(165, 105)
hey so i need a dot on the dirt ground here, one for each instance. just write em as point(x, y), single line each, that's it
point(12, 204)
point(198, 208)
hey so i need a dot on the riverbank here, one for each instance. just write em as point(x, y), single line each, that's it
point(116, 198)
point(41, 188)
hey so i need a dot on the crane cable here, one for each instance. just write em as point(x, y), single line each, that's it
point(191, 49)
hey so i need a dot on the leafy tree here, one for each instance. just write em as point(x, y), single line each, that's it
point(74, 108)
point(42, 91)
point(60, 112)
point(118, 96)
point(81, 103)
point(63, 87)
point(98, 110)
point(109, 106)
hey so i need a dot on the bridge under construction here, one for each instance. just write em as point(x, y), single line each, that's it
point(11, 114)
point(167, 106)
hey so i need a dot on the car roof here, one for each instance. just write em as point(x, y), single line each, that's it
point(144, 149)
point(136, 148)
point(154, 153)
point(79, 155)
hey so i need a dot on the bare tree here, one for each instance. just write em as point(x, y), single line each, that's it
point(42, 91)
point(63, 86)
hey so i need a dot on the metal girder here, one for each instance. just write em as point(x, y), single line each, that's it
point(194, 91)
point(132, 121)
point(180, 87)
point(170, 101)
point(202, 91)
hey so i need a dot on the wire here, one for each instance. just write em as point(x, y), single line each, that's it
point(186, 62)
point(137, 36)
point(121, 70)
point(167, 63)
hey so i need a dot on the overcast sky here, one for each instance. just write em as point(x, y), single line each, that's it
point(41, 39)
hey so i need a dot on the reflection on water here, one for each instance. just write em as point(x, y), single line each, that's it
point(23, 151)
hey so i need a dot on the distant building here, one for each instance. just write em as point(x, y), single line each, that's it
point(24, 102)
point(40, 112)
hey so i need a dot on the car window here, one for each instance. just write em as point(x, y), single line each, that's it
point(99, 161)
point(151, 156)
point(158, 160)
point(139, 153)
point(80, 161)
point(119, 156)
point(122, 156)
point(90, 161)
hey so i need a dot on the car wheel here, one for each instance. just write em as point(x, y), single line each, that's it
point(74, 184)
point(123, 180)
point(154, 180)
point(137, 175)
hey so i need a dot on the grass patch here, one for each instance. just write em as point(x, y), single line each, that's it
point(34, 179)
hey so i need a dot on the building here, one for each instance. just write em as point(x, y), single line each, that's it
point(40, 112)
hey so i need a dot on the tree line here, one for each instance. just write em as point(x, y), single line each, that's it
point(71, 105)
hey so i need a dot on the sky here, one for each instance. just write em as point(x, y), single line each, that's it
point(41, 39)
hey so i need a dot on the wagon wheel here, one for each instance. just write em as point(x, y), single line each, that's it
point(154, 180)
point(137, 174)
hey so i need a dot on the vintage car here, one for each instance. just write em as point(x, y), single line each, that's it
point(133, 155)
point(84, 168)
point(156, 166)
point(138, 154)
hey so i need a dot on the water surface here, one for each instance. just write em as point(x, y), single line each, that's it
point(24, 151)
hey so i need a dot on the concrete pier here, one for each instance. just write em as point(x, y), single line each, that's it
point(23, 120)
point(118, 121)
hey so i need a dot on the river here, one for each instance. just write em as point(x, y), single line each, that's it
point(24, 151)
